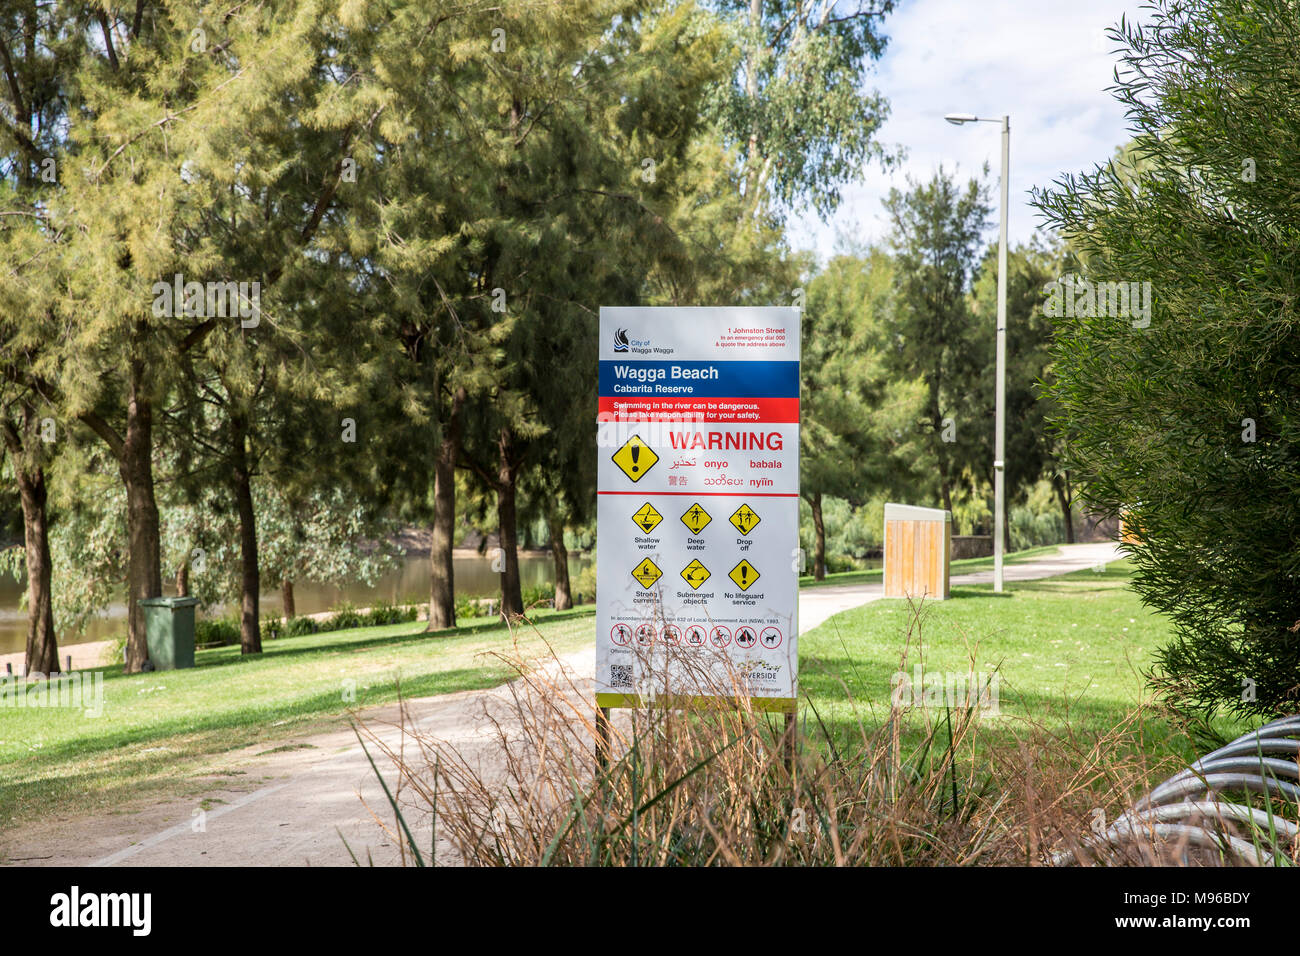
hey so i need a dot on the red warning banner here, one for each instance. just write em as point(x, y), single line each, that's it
point(721, 410)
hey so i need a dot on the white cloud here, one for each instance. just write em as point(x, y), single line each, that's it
point(1046, 63)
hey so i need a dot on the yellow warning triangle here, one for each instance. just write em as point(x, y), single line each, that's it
point(744, 519)
point(635, 458)
point(695, 574)
point(646, 573)
point(696, 518)
point(744, 574)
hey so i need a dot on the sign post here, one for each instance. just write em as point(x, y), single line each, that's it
point(697, 506)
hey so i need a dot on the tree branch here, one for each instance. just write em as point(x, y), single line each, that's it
point(108, 40)
point(105, 431)
point(14, 92)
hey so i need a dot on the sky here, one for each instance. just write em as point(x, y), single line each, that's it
point(1046, 63)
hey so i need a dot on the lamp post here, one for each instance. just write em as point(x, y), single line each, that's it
point(1000, 413)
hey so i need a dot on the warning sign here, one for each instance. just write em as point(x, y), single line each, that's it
point(744, 519)
point(744, 574)
point(697, 492)
point(695, 574)
point(646, 518)
point(647, 573)
point(696, 518)
point(635, 458)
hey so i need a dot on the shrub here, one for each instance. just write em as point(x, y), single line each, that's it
point(1184, 411)
point(467, 607)
point(343, 618)
point(218, 630)
point(583, 584)
point(299, 626)
point(539, 597)
point(382, 614)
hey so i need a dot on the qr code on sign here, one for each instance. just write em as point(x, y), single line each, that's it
point(620, 675)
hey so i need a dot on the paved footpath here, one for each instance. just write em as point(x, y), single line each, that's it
point(272, 806)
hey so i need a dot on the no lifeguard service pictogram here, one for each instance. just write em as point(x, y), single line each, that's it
point(744, 574)
point(635, 458)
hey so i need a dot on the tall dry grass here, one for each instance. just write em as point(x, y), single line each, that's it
point(734, 785)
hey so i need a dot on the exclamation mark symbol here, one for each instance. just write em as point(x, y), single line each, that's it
point(636, 456)
point(744, 575)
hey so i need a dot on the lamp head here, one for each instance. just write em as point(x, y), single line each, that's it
point(957, 119)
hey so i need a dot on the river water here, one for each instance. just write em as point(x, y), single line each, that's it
point(406, 584)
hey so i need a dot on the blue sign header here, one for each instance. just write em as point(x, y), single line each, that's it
point(700, 379)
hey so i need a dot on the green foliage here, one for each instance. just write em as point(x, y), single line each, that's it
point(584, 582)
point(299, 626)
point(856, 419)
point(938, 229)
point(216, 630)
point(1190, 422)
point(467, 607)
point(850, 532)
point(344, 617)
point(543, 596)
point(382, 614)
point(796, 108)
point(1032, 446)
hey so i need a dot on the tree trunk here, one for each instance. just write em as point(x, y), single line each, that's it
point(560, 554)
point(286, 599)
point(183, 579)
point(42, 647)
point(819, 539)
point(945, 489)
point(144, 559)
point(512, 601)
point(1061, 487)
point(442, 579)
point(250, 633)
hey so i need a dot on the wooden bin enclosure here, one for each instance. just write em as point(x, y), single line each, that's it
point(917, 548)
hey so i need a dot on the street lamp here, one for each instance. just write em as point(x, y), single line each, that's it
point(1000, 414)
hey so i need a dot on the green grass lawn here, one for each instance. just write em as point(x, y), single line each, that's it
point(155, 728)
point(964, 566)
point(1070, 648)
point(1066, 649)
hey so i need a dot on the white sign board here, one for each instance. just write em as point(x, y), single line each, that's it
point(698, 499)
